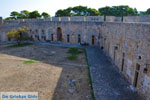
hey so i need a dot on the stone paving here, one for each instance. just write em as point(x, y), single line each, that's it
point(108, 83)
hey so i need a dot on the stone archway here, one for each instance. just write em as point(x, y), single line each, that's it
point(59, 34)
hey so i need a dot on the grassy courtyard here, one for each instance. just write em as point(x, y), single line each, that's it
point(56, 73)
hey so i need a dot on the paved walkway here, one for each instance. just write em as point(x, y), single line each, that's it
point(108, 83)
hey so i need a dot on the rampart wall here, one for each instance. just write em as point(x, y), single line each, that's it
point(128, 44)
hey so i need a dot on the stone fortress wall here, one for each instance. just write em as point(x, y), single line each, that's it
point(127, 44)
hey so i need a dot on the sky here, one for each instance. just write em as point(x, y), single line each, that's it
point(51, 6)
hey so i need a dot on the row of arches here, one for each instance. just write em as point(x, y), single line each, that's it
point(59, 36)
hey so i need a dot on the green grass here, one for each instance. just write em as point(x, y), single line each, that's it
point(90, 79)
point(29, 61)
point(72, 57)
point(74, 51)
point(20, 45)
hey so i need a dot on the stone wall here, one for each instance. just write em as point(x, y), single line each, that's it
point(128, 45)
point(113, 19)
point(131, 19)
point(1, 20)
point(56, 19)
point(95, 18)
point(145, 18)
point(65, 18)
point(84, 18)
point(47, 30)
point(77, 18)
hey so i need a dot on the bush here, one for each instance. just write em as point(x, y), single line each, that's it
point(72, 58)
point(19, 34)
point(74, 51)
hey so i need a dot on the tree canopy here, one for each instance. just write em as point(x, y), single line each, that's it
point(15, 15)
point(77, 11)
point(122, 10)
point(27, 14)
point(34, 14)
point(118, 11)
point(45, 15)
point(147, 12)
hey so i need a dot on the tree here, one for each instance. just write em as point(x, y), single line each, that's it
point(19, 34)
point(147, 12)
point(77, 11)
point(107, 11)
point(34, 14)
point(45, 15)
point(62, 13)
point(118, 11)
point(15, 14)
point(9, 18)
point(25, 13)
point(93, 12)
point(80, 11)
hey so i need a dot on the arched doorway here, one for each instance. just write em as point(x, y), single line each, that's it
point(59, 34)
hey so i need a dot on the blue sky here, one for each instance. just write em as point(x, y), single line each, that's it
point(51, 6)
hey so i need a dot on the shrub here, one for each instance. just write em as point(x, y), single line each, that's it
point(74, 51)
point(19, 34)
point(72, 57)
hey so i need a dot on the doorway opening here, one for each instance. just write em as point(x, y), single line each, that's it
point(122, 64)
point(79, 38)
point(68, 39)
point(93, 39)
point(59, 34)
point(136, 75)
point(115, 51)
point(52, 38)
